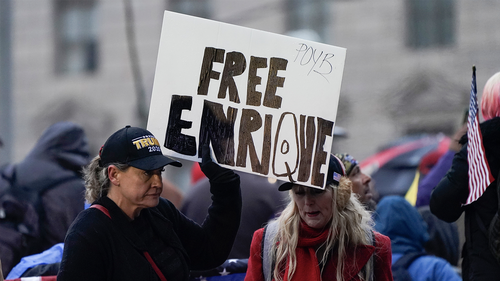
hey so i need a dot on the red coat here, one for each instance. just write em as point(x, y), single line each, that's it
point(382, 262)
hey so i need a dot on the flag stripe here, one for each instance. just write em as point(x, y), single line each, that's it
point(479, 171)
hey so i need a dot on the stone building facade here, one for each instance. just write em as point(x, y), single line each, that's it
point(408, 66)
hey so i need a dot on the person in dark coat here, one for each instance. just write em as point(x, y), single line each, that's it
point(47, 188)
point(262, 201)
point(130, 232)
point(451, 193)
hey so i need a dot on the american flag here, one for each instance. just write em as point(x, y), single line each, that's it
point(479, 171)
point(37, 278)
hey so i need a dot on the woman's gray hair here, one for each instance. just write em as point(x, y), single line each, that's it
point(96, 178)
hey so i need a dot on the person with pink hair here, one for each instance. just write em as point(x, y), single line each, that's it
point(481, 257)
point(490, 101)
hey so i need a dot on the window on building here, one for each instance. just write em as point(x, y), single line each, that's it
point(430, 23)
point(76, 36)
point(199, 8)
point(307, 19)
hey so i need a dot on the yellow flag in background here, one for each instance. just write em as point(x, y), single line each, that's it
point(411, 194)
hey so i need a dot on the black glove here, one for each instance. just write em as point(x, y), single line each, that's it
point(210, 168)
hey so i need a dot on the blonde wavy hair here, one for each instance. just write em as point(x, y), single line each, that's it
point(96, 178)
point(351, 225)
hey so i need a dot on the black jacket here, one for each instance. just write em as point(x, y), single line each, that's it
point(43, 193)
point(452, 191)
point(100, 248)
point(262, 201)
point(54, 165)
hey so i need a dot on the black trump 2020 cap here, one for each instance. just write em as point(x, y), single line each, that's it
point(136, 147)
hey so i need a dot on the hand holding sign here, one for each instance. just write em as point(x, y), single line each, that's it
point(211, 169)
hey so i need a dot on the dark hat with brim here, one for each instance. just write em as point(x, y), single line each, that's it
point(136, 147)
point(154, 162)
point(335, 171)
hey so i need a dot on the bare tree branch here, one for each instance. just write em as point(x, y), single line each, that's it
point(142, 110)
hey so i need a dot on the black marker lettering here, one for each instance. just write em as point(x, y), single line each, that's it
point(307, 136)
point(284, 148)
point(218, 129)
point(253, 96)
point(325, 128)
point(235, 65)
point(211, 55)
point(251, 122)
point(273, 82)
point(174, 140)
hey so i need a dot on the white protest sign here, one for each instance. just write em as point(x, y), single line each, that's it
point(265, 102)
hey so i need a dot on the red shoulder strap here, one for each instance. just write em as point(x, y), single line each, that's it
point(146, 254)
point(153, 264)
point(102, 209)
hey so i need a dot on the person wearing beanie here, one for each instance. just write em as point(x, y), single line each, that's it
point(322, 234)
point(362, 183)
point(130, 232)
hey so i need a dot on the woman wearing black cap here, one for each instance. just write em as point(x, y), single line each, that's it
point(321, 235)
point(130, 233)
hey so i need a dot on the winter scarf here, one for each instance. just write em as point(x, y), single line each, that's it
point(307, 267)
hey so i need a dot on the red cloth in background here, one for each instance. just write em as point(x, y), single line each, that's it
point(196, 173)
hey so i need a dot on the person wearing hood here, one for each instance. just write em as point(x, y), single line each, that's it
point(43, 193)
point(398, 219)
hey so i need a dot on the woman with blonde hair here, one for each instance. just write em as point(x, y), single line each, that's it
point(321, 235)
